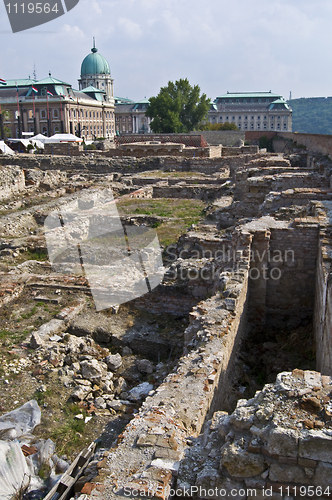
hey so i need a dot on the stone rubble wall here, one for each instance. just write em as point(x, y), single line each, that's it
point(141, 151)
point(96, 164)
point(152, 444)
point(323, 294)
point(12, 181)
point(200, 192)
point(317, 143)
point(283, 268)
point(271, 445)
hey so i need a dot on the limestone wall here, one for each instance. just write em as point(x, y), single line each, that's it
point(12, 181)
point(282, 274)
point(316, 143)
point(155, 440)
point(95, 163)
point(224, 137)
point(275, 445)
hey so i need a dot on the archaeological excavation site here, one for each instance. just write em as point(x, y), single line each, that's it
point(166, 324)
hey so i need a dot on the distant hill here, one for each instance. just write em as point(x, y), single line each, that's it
point(312, 115)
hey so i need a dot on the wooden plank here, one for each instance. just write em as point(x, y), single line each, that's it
point(63, 488)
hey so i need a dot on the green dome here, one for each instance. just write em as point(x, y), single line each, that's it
point(95, 64)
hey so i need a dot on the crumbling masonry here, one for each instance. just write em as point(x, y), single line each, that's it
point(260, 261)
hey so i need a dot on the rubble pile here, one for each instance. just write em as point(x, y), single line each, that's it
point(281, 438)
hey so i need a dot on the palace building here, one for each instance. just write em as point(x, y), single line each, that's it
point(50, 106)
point(252, 111)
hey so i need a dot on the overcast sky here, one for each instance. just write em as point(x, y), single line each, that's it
point(238, 45)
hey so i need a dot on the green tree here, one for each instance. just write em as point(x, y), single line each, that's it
point(177, 108)
point(217, 126)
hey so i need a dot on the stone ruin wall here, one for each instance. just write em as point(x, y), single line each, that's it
point(217, 325)
point(127, 165)
point(281, 291)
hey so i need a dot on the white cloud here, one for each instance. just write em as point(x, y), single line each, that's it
point(280, 45)
point(130, 28)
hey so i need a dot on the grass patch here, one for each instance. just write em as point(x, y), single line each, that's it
point(9, 337)
point(183, 213)
point(37, 254)
point(68, 436)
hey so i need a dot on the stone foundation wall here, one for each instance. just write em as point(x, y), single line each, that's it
point(323, 296)
point(282, 275)
point(96, 163)
point(12, 181)
point(207, 192)
point(316, 143)
point(156, 439)
point(64, 149)
point(275, 445)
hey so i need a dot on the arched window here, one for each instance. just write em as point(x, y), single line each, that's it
point(43, 114)
point(44, 130)
point(55, 113)
point(56, 130)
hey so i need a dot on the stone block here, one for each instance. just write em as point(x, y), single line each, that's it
point(283, 442)
point(323, 475)
point(316, 445)
point(288, 473)
point(240, 463)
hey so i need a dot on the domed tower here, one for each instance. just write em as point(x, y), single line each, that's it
point(95, 72)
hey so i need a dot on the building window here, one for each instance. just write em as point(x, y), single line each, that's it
point(252, 126)
point(237, 100)
point(272, 126)
point(259, 100)
point(285, 126)
point(239, 126)
point(252, 117)
point(56, 130)
point(246, 118)
point(30, 114)
point(31, 129)
point(258, 117)
point(265, 117)
point(220, 118)
point(233, 118)
point(227, 118)
point(43, 114)
point(258, 126)
point(272, 117)
point(278, 126)
point(55, 113)
point(74, 113)
point(94, 114)
point(246, 126)
point(244, 100)
point(278, 117)
point(44, 130)
point(265, 126)
point(90, 115)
